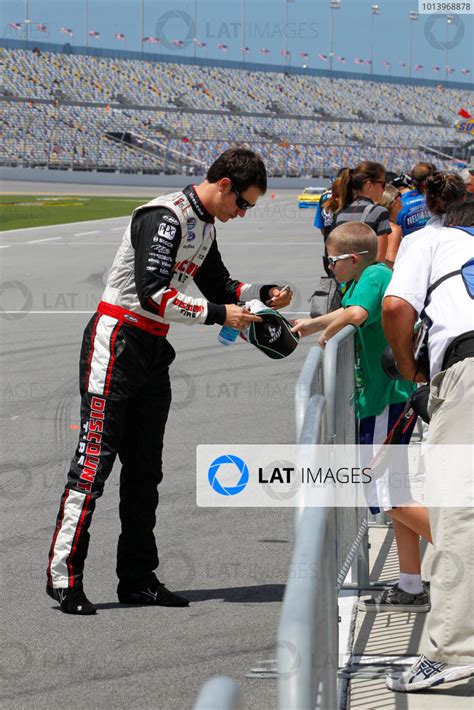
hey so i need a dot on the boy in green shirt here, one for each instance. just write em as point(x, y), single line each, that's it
point(380, 400)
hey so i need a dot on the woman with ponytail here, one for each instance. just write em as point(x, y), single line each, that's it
point(361, 189)
point(441, 190)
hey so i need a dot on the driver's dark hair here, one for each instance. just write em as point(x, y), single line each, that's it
point(244, 167)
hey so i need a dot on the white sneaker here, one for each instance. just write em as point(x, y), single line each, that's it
point(427, 674)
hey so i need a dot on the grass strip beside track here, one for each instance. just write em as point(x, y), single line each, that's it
point(20, 211)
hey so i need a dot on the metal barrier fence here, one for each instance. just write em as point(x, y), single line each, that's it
point(339, 391)
point(307, 657)
point(328, 542)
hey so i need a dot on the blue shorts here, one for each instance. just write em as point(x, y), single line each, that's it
point(372, 432)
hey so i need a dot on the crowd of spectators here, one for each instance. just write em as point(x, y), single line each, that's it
point(311, 124)
point(401, 252)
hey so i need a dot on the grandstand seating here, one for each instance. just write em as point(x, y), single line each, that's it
point(333, 122)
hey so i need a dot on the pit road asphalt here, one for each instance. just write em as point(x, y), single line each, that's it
point(232, 564)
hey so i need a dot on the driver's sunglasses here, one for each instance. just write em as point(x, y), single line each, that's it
point(241, 202)
point(334, 259)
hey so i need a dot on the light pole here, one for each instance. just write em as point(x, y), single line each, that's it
point(375, 11)
point(86, 8)
point(195, 29)
point(413, 17)
point(449, 21)
point(287, 2)
point(142, 25)
point(242, 31)
point(27, 22)
point(334, 5)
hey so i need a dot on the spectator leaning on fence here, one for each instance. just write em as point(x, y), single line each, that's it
point(380, 401)
point(436, 276)
point(360, 189)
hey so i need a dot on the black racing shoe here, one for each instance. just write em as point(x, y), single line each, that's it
point(155, 595)
point(72, 601)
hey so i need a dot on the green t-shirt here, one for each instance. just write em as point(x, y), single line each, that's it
point(374, 389)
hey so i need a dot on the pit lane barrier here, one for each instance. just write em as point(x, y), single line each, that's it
point(328, 540)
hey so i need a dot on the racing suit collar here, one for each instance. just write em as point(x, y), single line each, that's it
point(197, 205)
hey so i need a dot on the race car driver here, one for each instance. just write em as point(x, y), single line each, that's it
point(124, 381)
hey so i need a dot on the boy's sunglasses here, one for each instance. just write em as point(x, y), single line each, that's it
point(334, 259)
point(241, 202)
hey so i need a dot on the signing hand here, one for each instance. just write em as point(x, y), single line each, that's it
point(239, 318)
point(279, 297)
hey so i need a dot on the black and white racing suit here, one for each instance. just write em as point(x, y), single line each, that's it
point(124, 381)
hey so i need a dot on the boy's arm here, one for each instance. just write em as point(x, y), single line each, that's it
point(308, 326)
point(352, 315)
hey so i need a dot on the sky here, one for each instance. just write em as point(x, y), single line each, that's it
point(266, 26)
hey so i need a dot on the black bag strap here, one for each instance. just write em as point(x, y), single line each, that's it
point(439, 282)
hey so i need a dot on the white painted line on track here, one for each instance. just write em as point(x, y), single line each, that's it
point(116, 229)
point(84, 234)
point(222, 243)
point(5, 246)
point(66, 224)
point(49, 239)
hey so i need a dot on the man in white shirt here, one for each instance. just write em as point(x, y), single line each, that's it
point(434, 278)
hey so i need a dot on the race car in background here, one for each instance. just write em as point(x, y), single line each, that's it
point(310, 196)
